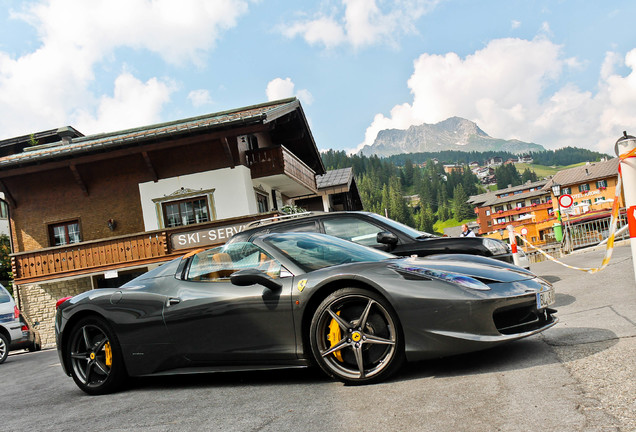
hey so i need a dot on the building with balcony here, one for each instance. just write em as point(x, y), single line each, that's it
point(533, 206)
point(95, 211)
point(592, 187)
point(521, 205)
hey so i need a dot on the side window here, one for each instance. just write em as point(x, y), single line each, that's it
point(352, 229)
point(309, 226)
point(216, 265)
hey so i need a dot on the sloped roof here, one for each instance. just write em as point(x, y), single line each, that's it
point(261, 113)
point(490, 198)
point(333, 178)
point(585, 173)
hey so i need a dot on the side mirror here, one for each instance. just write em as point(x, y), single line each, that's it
point(387, 238)
point(254, 276)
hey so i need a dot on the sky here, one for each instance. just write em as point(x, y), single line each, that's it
point(554, 72)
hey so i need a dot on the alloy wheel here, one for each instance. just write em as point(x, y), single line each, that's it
point(355, 337)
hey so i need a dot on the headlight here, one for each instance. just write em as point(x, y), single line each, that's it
point(457, 279)
point(496, 247)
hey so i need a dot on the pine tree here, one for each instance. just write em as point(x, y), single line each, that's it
point(461, 209)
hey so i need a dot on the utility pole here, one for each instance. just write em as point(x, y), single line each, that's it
point(625, 149)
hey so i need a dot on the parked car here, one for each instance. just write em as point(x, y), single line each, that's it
point(15, 331)
point(370, 229)
point(286, 300)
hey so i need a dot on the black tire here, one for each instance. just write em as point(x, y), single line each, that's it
point(87, 354)
point(366, 343)
point(4, 348)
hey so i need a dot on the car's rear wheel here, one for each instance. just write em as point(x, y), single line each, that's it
point(4, 348)
point(356, 337)
point(94, 356)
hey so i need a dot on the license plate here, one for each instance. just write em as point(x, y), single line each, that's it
point(545, 298)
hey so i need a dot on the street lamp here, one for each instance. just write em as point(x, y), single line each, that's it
point(557, 227)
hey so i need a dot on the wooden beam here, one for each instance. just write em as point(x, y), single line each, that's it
point(150, 166)
point(78, 179)
point(7, 195)
point(228, 152)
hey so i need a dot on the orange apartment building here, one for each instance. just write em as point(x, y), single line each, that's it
point(532, 205)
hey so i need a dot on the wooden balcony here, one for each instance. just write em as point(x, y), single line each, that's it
point(121, 252)
point(282, 170)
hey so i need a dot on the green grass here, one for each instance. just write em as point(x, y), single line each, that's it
point(543, 170)
point(440, 225)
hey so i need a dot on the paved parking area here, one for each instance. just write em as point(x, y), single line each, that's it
point(577, 376)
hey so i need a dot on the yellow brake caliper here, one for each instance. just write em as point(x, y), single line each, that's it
point(334, 336)
point(109, 354)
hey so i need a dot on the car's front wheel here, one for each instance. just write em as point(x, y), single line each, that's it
point(4, 348)
point(356, 337)
point(94, 356)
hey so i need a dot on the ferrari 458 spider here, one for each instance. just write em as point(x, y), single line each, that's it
point(292, 300)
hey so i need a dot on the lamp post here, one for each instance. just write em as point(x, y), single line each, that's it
point(558, 226)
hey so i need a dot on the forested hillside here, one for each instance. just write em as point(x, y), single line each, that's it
point(384, 182)
point(564, 156)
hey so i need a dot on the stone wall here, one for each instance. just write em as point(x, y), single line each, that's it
point(37, 301)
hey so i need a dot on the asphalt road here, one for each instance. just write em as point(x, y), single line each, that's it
point(578, 376)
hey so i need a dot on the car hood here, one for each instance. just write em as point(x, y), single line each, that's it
point(483, 268)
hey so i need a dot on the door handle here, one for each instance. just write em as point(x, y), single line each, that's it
point(173, 301)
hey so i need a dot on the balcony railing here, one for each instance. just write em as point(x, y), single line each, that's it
point(122, 252)
point(526, 209)
point(90, 256)
point(272, 161)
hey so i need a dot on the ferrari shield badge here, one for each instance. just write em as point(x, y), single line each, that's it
point(301, 285)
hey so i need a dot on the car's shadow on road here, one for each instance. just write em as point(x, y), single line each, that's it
point(553, 347)
point(549, 348)
point(230, 379)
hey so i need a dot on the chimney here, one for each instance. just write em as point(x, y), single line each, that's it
point(66, 134)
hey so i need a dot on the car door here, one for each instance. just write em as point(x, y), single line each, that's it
point(212, 321)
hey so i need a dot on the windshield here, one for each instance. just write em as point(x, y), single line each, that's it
point(315, 251)
point(411, 232)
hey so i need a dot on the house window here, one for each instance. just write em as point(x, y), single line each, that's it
point(4, 210)
point(65, 233)
point(520, 204)
point(566, 191)
point(601, 184)
point(584, 187)
point(487, 212)
point(186, 212)
point(499, 208)
point(536, 201)
point(263, 203)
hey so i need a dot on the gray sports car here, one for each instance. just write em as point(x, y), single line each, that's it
point(292, 300)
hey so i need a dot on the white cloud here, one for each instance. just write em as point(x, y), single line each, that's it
point(279, 88)
point(47, 87)
point(361, 23)
point(199, 97)
point(133, 103)
point(503, 88)
point(515, 24)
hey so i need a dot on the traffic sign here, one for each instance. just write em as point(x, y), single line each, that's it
point(524, 231)
point(566, 200)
